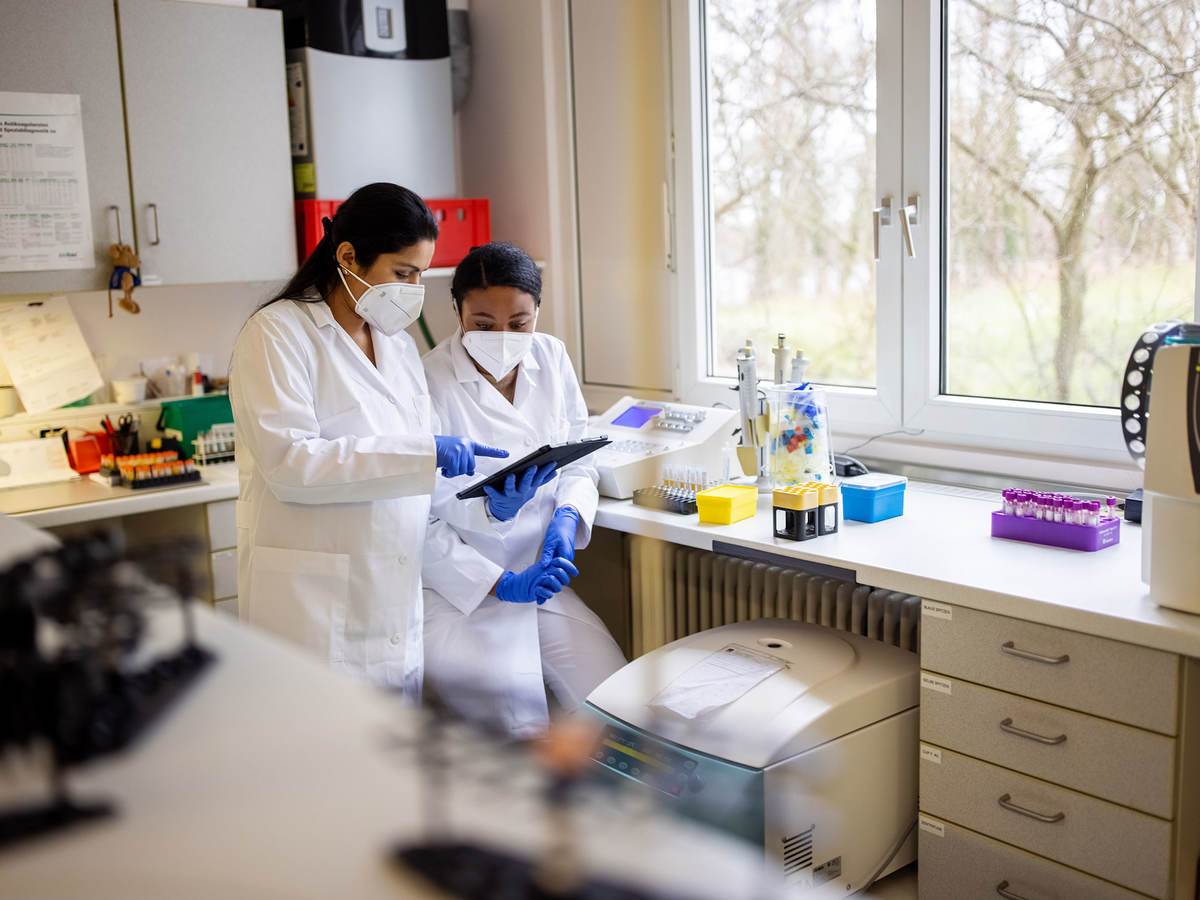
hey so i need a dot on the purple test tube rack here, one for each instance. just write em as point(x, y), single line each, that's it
point(1057, 534)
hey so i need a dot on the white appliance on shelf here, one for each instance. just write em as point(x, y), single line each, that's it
point(646, 435)
point(360, 119)
point(816, 762)
point(1171, 498)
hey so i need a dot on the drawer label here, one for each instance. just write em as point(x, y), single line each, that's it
point(934, 683)
point(937, 610)
point(931, 754)
point(930, 826)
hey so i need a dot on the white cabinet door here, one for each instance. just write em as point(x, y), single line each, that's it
point(70, 47)
point(206, 108)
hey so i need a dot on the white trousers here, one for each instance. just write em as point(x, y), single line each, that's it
point(496, 663)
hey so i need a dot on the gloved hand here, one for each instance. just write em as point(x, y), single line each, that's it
point(560, 534)
point(517, 494)
point(538, 583)
point(456, 455)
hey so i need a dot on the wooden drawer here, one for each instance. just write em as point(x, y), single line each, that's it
point(224, 574)
point(957, 864)
point(1116, 762)
point(222, 524)
point(1110, 841)
point(1130, 684)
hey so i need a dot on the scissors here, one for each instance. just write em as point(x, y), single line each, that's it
point(125, 422)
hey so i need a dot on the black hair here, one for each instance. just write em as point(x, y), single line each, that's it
point(377, 218)
point(498, 264)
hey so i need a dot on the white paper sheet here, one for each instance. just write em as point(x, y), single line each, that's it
point(45, 214)
point(716, 681)
point(40, 461)
point(46, 354)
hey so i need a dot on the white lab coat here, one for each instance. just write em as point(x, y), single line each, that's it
point(468, 633)
point(336, 461)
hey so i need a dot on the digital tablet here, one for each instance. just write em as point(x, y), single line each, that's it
point(563, 454)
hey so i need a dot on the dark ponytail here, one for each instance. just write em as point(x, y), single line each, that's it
point(496, 264)
point(377, 218)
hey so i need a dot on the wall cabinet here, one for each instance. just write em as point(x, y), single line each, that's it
point(185, 132)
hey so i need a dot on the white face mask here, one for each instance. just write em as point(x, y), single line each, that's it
point(499, 352)
point(388, 308)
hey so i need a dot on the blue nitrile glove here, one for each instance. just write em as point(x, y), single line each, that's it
point(456, 455)
point(517, 493)
point(538, 583)
point(560, 534)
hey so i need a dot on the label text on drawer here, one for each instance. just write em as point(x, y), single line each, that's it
point(931, 754)
point(931, 826)
point(937, 610)
point(933, 683)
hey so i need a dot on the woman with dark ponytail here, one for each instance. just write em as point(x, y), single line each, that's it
point(336, 449)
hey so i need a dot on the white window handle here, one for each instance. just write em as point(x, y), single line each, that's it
point(910, 216)
point(882, 215)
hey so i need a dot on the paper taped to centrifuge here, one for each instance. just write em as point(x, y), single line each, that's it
point(716, 681)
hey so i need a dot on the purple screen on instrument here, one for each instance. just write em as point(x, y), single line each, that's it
point(635, 416)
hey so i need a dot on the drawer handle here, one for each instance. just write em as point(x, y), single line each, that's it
point(1009, 727)
point(1006, 801)
point(1003, 891)
point(1012, 650)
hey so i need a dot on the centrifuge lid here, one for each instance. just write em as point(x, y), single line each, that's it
point(832, 683)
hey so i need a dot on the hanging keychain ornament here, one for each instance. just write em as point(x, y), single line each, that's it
point(124, 278)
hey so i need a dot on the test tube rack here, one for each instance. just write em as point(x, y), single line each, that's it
point(147, 470)
point(1057, 520)
point(676, 492)
point(215, 445)
point(805, 511)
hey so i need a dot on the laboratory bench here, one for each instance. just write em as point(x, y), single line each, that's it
point(941, 549)
point(273, 776)
point(1130, 698)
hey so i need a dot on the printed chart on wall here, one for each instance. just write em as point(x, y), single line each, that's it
point(45, 216)
point(46, 355)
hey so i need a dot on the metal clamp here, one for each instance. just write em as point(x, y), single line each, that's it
point(153, 207)
point(1003, 891)
point(116, 209)
point(1009, 727)
point(1012, 650)
point(1006, 802)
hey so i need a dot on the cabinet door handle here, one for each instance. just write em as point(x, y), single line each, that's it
point(153, 207)
point(1006, 801)
point(1003, 891)
point(1009, 727)
point(1012, 650)
point(117, 210)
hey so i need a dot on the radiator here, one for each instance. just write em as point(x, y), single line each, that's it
point(677, 591)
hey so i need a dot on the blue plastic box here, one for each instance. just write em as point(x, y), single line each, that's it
point(873, 498)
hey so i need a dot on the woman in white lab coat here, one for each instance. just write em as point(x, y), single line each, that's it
point(492, 630)
point(336, 451)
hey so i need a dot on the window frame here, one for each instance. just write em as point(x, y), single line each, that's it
point(907, 417)
point(859, 412)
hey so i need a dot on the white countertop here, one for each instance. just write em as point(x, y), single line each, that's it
point(275, 777)
point(942, 549)
point(84, 500)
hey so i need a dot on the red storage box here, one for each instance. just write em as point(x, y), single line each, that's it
point(463, 223)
